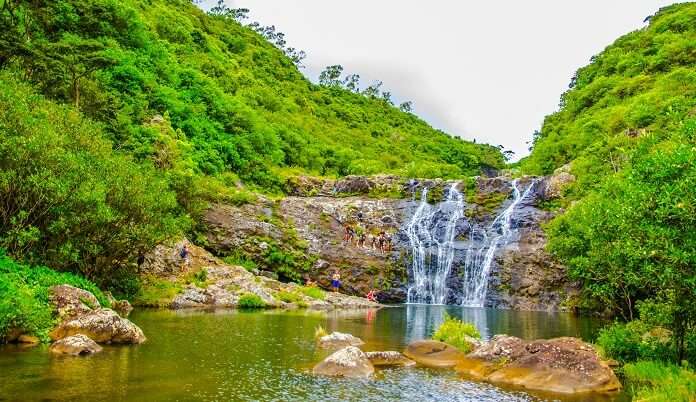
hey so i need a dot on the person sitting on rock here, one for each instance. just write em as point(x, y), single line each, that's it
point(372, 295)
point(335, 281)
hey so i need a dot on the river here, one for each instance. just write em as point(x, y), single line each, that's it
point(230, 355)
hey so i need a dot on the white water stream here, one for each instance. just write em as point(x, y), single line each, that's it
point(432, 232)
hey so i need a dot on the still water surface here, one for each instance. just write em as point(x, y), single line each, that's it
point(268, 355)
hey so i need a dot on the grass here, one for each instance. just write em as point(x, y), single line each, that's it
point(240, 259)
point(456, 332)
point(319, 332)
point(313, 292)
point(291, 297)
point(659, 382)
point(24, 303)
point(250, 300)
point(156, 292)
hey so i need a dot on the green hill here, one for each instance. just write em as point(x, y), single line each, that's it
point(236, 103)
point(627, 126)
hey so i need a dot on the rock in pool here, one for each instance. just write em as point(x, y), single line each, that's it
point(75, 345)
point(349, 362)
point(561, 365)
point(103, 326)
point(338, 340)
point(434, 354)
point(389, 358)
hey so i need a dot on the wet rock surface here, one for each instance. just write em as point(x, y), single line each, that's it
point(338, 340)
point(75, 345)
point(389, 358)
point(561, 365)
point(434, 354)
point(102, 325)
point(349, 362)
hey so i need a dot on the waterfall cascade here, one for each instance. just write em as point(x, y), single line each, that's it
point(432, 234)
point(432, 248)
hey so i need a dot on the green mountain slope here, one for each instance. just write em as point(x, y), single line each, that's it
point(627, 127)
point(236, 103)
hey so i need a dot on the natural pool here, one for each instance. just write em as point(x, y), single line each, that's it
point(267, 356)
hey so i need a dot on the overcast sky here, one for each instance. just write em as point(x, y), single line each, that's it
point(484, 70)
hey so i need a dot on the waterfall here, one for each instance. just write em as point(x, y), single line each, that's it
point(432, 254)
point(477, 265)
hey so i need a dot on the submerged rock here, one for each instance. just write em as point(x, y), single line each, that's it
point(339, 340)
point(562, 365)
point(349, 362)
point(433, 353)
point(75, 345)
point(103, 326)
point(389, 358)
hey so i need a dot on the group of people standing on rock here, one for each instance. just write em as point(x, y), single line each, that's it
point(359, 237)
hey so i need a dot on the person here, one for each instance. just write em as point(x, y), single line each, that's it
point(351, 234)
point(185, 255)
point(372, 295)
point(373, 239)
point(361, 240)
point(380, 241)
point(346, 232)
point(335, 281)
point(387, 242)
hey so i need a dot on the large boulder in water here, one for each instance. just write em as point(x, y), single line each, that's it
point(70, 302)
point(349, 362)
point(561, 365)
point(339, 340)
point(75, 345)
point(103, 326)
point(433, 353)
point(389, 358)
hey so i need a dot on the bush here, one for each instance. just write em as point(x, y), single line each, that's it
point(658, 382)
point(456, 333)
point(250, 300)
point(634, 341)
point(313, 292)
point(24, 303)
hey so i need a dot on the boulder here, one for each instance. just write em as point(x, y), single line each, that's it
point(433, 353)
point(349, 362)
point(555, 184)
point(103, 326)
point(560, 365)
point(70, 302)
point(338, 340)
point(28, 339)
point(122, 307)
point(75, 345)
point(389, 358)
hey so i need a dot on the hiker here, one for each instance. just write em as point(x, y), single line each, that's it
point(387, 243)
point(360, 216)
point(335, 281)
point(373, 241)
point(346, 232)
point(380, 241)
point(361, 240)
point(351, 234)
point(185, 255)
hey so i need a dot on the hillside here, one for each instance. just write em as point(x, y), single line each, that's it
point(627, 129)
point(235, 102)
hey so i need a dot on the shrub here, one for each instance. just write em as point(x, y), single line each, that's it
point(319, 331)
point(250, 300)
point(456, 333)
point(658, 382)
point(24, 302)
point(634, 341)
point(288, 297)
point(313, 292)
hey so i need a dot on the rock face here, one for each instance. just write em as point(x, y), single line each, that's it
point(434, 354)
point(561, 365)
point(102, 325)
point(389, 358)
point(554, 185)
point(349, 362)
point(339, 340)
point(225, 284)
point(70, 302)
point(309, 225)
point(75, 345)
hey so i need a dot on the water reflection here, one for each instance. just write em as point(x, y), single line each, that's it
point(265, 356)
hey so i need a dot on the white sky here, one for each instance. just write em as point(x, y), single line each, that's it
point(484, 70)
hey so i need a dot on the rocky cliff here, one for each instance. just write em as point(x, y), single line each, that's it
point(302, 236)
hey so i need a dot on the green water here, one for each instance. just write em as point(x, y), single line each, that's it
point(267, 356)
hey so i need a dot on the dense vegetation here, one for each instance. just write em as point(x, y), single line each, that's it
point(120, 120)
point(627, 126)
point(24, 303)
point(457, 333)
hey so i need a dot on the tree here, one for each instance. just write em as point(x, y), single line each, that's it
point(373, 90)
point(75, 59)
point(352, 83)
point(406, 106)
point(387, 97)
point(330, 77)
